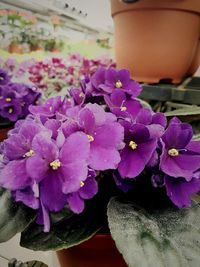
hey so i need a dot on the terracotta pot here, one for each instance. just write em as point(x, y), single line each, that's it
point(55, 50)
point(15, 48)
point(196, 62)
point(34, 48)
point(156, 39)
point(99, 251)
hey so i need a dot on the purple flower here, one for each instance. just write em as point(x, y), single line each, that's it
point(4, 77)
point(121, 79)
point(122, 106)
point(155, 122)
point(58, 172)
point(180, 156)
point(11, 111)
point(180, 191)
point(77, 95)
point(106, 81)
point(105, 136)
point(88, 189)
point(48, 109)
point(138, 150)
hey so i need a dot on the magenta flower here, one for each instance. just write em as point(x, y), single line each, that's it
point(180, 156)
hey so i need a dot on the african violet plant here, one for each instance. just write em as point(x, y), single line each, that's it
point(98, 159)
point(15, 98)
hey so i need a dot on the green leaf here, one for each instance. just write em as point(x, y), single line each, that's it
point(168, 237)
point(69, 229)
point(14, 217)
point(190, 114)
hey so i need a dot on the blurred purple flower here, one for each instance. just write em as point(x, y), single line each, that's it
point(4, 77)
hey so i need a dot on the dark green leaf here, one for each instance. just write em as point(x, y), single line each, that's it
point(159, 239)
point(14, 217)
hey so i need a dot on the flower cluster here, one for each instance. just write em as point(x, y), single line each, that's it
point(15, 98)
point(56, 73)
point(52, 158)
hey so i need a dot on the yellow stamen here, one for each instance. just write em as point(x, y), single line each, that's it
point(1, 78)
point(28, 154)
point(123, 108)
point(81, 183)
point(90, 137)
point(81, 94)
point(118, 84)
point(10, 110)
point(8, 99)
point(55, 164)
point(173, 152)
point(132, 145)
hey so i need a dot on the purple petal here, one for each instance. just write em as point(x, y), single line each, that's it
point(110, 135)
point(15, 147)
point(144, 116)
point(72, 174)
point(139, 133)
point(76, 204)
point(194, 146)
point(180, 191)
point(43, 218)
point(182, 165)
point(37, 167)
point(45, 147)
point(133, 162)
point(75, 148)
point(177, 135)
point(27, 197)
point(98, 112)
point(51, 186)
point(87, 120)
point(103, 158)
point(89, 189)
point(159, 118)
point(53, 125)
point(14, 176)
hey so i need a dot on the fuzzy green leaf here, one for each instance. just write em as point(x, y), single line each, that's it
point(14, 217)
point(163, 238)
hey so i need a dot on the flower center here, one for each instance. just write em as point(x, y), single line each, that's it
point(1, 78)
point(173, 152)
point(8, 99)
point(118, 84)
point(90, 137)
point(10, 110)
point(81, 94)
point(132, 145)
point(29, 154)
point(55, 164)
point(82, 183)
point(123, 108)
